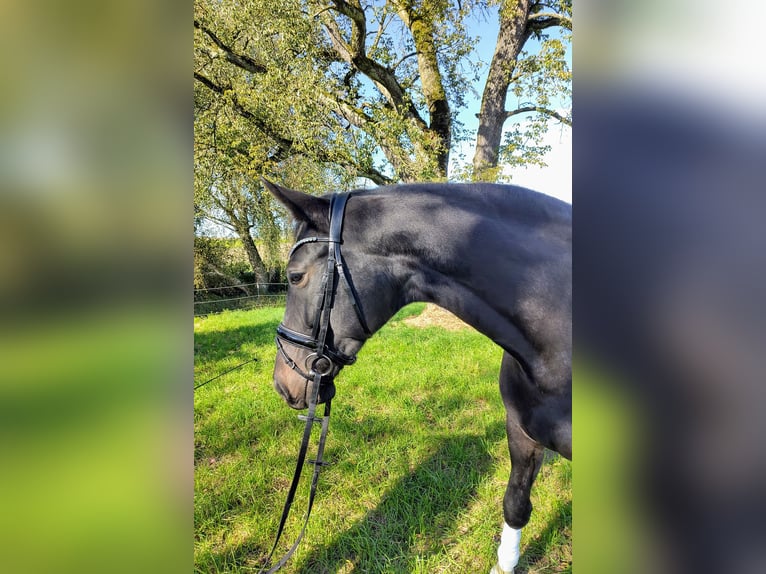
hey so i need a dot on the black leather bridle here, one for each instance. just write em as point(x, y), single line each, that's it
point(321, 363)
point(324, 359)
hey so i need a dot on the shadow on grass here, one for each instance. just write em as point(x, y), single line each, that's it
point(214, 346)
point(544, 544)
point(218, 345)
point(414, 517)
point(215, 353)
point(413, 521)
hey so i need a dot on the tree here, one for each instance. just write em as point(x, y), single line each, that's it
point(328, 93)
point(213, 268)
point(540, 76)
point(229, 157)
point(308, 77)
point(223, 190)
point(237, 204)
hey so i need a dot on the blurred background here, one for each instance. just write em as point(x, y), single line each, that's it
point(95, 260)
point(669, 278)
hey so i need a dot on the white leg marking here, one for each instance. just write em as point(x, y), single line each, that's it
point(508, 551)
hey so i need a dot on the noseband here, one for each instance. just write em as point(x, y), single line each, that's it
point(323, 359)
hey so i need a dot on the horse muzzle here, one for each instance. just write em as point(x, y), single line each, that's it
point(295, 389)
point(326, 393)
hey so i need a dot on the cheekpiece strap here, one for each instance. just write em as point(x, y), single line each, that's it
point(337, 209)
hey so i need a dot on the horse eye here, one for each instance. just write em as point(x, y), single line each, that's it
point(295, 278)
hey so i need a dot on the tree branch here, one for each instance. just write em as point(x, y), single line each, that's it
point(544, 20)
point(402, 59)
point(421, 25)
point(240, 60)
point(540, 110)
point(207, 83)
point(355, 54)
point(374, 175)
point(382, 27)
point(359, 23)
point(338, 42)
point(356, 117)
point(285, 145)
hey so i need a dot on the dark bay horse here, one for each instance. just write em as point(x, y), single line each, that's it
point(499, 257)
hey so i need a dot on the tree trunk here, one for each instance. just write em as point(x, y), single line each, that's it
point(422, 28)
point(256, 262)
point(433, 89)
point(511, 38)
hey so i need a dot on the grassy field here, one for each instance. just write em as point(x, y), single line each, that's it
point(418, 448)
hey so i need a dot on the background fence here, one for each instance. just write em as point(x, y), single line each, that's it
point(242, 296)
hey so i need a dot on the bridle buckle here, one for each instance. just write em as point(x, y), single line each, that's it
point(311, 365)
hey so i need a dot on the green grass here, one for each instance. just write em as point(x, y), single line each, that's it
point(418, 444)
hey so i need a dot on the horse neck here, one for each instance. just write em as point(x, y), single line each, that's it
point(478, 256)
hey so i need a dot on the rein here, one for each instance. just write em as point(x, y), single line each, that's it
point(320, 363)
point(318, 462)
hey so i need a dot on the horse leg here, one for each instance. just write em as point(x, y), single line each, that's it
point(526, 459)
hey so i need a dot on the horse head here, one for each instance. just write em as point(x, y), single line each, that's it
point(329, 315)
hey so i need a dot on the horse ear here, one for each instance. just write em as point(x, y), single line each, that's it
point(302, 206)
